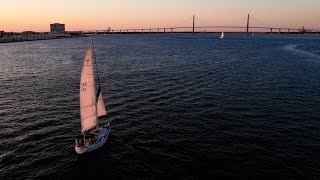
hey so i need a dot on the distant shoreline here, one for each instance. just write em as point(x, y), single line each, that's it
point(12, 39)
point(8, 37)
point(4, 42)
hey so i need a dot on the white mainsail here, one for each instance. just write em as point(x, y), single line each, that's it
point(88, 104)
point(101, 107)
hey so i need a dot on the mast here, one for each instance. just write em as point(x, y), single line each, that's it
point(97, 71)
point(101, 109)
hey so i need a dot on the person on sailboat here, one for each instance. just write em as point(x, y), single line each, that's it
point(78, 143)
point(107, 124)
point(90, 140)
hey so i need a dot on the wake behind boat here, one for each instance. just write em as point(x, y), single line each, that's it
point(91, 108)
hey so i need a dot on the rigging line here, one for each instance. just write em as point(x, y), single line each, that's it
point(260, 22)
point(95, 60)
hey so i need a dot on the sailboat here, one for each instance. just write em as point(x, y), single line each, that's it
point(222, 35)
point(94, 135)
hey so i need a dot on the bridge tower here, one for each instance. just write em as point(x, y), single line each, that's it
point(193, 24)
point(248, 24)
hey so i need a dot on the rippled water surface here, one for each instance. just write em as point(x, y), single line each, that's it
point(182, 106)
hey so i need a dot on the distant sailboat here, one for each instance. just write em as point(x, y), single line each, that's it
point(91, 108)
point(222, 35)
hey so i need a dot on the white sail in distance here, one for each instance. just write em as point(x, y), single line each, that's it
point(88, 104)
point(101, 107)
point(222, 35)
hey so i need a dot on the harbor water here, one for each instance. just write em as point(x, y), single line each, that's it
point(181, 106)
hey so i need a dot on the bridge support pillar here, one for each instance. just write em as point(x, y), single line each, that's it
point(248, 24)
point(193, 24)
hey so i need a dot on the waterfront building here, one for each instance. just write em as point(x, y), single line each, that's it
point(57, 28)
point(28, 33)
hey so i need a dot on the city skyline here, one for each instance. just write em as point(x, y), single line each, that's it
point(36, 15)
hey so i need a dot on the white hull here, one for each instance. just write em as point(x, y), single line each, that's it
point(103, 139)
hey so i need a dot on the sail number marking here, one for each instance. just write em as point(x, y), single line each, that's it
point(83, 87)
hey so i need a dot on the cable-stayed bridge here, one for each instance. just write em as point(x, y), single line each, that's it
point(211, 28)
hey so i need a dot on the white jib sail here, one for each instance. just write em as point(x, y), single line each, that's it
point(88, 104)
point(101, 107)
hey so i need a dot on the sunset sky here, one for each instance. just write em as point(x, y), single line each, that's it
point(36, 15)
